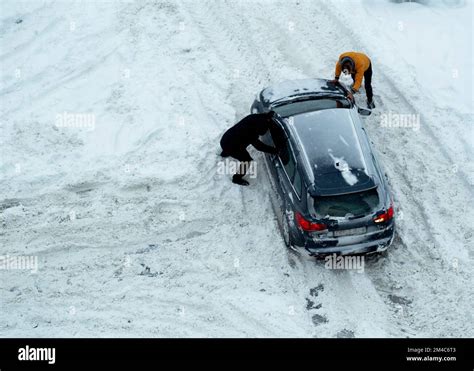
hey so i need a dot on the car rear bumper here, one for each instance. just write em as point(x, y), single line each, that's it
point(371, 244)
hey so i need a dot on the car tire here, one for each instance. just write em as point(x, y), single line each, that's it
point(285, 230)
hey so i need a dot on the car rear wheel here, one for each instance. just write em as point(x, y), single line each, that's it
point(285, 230)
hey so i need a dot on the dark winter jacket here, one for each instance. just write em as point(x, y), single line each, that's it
point(246, 132)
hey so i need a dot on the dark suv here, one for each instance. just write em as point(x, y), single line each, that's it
point(330, 195)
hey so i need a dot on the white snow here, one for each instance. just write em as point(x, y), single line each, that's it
point(290, 87)
point(343, 167)
point(137, 234)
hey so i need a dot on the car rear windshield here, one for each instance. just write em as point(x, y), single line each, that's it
point(310, 105)
point(357, 204)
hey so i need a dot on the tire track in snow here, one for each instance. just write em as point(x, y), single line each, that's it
point(232, 56)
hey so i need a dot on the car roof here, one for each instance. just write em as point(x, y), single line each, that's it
point(293, 88)
point(337, 160)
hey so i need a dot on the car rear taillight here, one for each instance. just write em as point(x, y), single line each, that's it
point(308, 226)
point(384, 216)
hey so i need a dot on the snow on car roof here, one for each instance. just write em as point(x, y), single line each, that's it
point(298, 87)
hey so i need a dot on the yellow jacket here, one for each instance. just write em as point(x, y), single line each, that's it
point(361, 62)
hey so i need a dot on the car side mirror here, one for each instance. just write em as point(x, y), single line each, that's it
point(364, 111)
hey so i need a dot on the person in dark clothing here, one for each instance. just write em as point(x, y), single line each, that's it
point(368, 86)
point(235, 141)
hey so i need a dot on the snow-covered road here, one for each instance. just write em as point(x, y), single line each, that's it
point(136, 232)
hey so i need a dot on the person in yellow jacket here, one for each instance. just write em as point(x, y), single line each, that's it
point(359, 66)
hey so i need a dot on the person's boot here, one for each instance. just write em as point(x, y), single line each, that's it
point(370, 104)
point(237, 179)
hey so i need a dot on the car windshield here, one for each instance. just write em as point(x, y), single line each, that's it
point(357, 204)
point(310, 105)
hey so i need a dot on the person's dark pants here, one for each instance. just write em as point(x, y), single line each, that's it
point(367, 82)
point(240, 154)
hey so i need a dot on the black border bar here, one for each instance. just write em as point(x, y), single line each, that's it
point(336, 352)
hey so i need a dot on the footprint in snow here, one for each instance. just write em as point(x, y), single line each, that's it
point(315, 290)
point(400, 300)
point(312, 305)
point(318, 319)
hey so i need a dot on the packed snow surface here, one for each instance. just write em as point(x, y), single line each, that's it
point(111, 115)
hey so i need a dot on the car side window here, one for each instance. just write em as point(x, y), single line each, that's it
point(284, 153)
point(298, 183)
point(280, 141)
point(288, 160)
point(277, 135)
point(267, 139)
